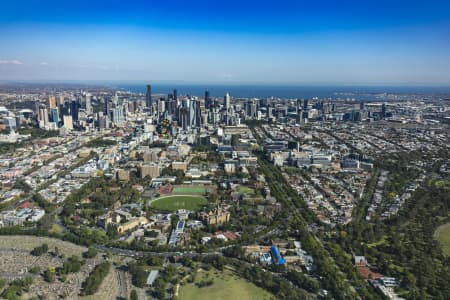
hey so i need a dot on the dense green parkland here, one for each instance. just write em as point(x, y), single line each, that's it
point(442, 234)
point(172, 203)
point(225, 285)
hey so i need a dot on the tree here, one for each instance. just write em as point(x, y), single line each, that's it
point(133, 295)
point(49, 275)
point(90, 253)
point(95, 279)
point(40, 250)
point(139, 275)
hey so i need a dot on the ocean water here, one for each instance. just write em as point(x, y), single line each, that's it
point(250, 90)
point(279, 91)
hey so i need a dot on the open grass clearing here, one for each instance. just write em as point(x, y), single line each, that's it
point(442, 234)
point(226, 285)
point(172, 203)
point(27, 242)
point(245, 190)
point(189, 190)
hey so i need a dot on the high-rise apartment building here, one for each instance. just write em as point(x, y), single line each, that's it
point(148, 96)
point(51, 102)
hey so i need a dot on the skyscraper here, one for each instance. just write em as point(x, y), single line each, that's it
point(88, 104)
point(117, 116)
point(106, 107)
point(227, 101)
point(193, 113)
point(74, 110)
point(55, 116)
point(148, 96)
point(51, 102)
point(43, 116)
point(68, 122)
point(305, 104)
point(175, 94)
point(208, 101)
point(299, 106)
point(383, 110)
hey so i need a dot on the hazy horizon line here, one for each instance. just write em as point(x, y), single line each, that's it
point(224, 83)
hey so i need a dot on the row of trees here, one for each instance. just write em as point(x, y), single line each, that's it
point(92, 283)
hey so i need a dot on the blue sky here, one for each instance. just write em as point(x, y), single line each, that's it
point(289, 42)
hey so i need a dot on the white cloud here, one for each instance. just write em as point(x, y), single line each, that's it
point(11, 62)
point(44, 63)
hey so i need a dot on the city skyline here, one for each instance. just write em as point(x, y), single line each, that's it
point(291, 42)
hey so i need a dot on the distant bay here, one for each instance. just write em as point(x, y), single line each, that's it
point(288, 91)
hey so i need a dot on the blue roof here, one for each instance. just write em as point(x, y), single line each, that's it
point(278, 259)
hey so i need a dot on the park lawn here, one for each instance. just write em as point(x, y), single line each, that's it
point(226, 286)
point(442, 183)
point(245, 190)
point(377, 243)
point(189, 190)
point(442, 234)
point(172, 203)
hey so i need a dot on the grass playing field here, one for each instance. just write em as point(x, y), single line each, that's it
point(172, 203)
point(189, 190)
point(245, 190)
point(226, 286)
point(442, 234)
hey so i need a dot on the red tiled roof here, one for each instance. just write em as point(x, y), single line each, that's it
point(366, 273)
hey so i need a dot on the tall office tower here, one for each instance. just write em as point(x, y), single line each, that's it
point(68, 122)
point(174, 109)
point(51, 102)
point(175, 95)
point(264, 102)
point(117, 115)
point(88, 106)
point(326, 108)
point(60, 100)
point(361, 105)
point(248, 106)
point(383, 110)
point(103, 122)
point(254, 109)
point(65, 108)
point(131, 107)
point(198, 114)
point(208, 100)
point(299, 106)
point(184, 117)
point(116, 100)
point(269, 112)
point(193, 113)
point(43, 116)
point(106, 106)
point(55, 115)
point(215, 104)
point(204, 117)
point(161, 106)
point(305, 104)
point(251, 108)
point(148, 96)
point(227, 101)
point(74, 110)
point(300, 117)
